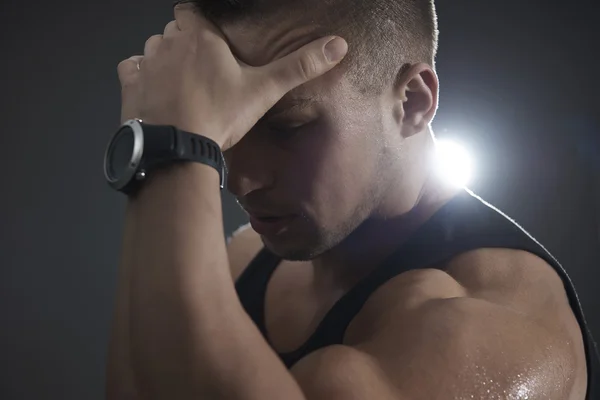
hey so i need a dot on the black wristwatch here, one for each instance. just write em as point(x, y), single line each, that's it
point(136, 149)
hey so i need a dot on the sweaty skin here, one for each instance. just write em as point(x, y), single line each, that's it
point(296, 304)
point(356, 176)
point(355, 211)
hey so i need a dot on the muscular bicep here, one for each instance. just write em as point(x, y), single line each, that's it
point(456, 348)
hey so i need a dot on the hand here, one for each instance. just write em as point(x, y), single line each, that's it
point(189, 78)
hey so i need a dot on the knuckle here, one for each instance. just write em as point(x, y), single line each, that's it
point(171, 26)
point(152, 39)
point(153, 42)
point(307, 66)
point(124, 67)
point(156, 37)
point(126, 71)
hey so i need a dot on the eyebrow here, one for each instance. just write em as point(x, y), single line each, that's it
point(287, 106)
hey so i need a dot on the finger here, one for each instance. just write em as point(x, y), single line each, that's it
point(186, 16)
point(129, 69)
point(189, 17)
point(171, 29)
point(128, 76)
point(151, 46)
point(303, 65)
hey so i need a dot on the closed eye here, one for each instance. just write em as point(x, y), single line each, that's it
point(290, 128)
point(285, 130)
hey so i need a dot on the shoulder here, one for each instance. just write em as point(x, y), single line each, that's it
point(523, 284)
point(515, 279)
point(520, 300)
point(506, 319)
point(509, 280)
point(242, 246)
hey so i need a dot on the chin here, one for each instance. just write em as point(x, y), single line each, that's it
point(286, 251)
point(293, 250)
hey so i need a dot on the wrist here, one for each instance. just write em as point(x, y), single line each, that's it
point(213, 133)
point(218, 139)
point(180, 178)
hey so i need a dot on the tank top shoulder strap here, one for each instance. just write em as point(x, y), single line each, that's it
point(251, 285)
point(464, 223)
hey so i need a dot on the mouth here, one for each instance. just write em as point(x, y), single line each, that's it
point(270, 225)
point(267, 219)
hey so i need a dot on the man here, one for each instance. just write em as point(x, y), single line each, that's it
point(363, 276)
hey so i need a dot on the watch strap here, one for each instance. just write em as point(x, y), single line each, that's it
point(166, 144)
point(198, 148)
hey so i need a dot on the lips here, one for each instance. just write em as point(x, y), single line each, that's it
point(266, 219)
point(270, 226)
point(265, 216)
point(267, 213)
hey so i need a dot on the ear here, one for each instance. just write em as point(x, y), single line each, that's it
point(416, 91)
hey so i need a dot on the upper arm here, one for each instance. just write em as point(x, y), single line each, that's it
point(455, 348)
point(242, 247)
point(511, 336)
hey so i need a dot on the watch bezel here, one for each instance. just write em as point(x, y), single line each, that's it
point(135, 125)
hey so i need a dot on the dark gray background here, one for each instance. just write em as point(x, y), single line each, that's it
point(518, 85)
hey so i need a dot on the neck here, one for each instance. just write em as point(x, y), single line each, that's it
point(388, 227)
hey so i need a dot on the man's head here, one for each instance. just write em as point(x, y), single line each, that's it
point(383, 34)
point(356, 151)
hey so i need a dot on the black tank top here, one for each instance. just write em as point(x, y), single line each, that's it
point(465, 223)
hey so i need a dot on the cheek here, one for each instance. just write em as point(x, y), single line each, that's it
point(330, 176)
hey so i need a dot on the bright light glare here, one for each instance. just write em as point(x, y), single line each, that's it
point(453, 163)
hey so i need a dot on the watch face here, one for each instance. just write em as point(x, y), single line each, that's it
point(120, 155)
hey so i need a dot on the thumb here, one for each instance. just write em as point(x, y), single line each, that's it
point(303, 65)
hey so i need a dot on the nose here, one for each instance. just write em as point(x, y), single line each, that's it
point(249, 168)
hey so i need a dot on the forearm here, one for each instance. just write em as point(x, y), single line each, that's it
point(120, 382)
point(190, 337)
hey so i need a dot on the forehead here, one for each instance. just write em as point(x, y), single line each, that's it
point(258, 43)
